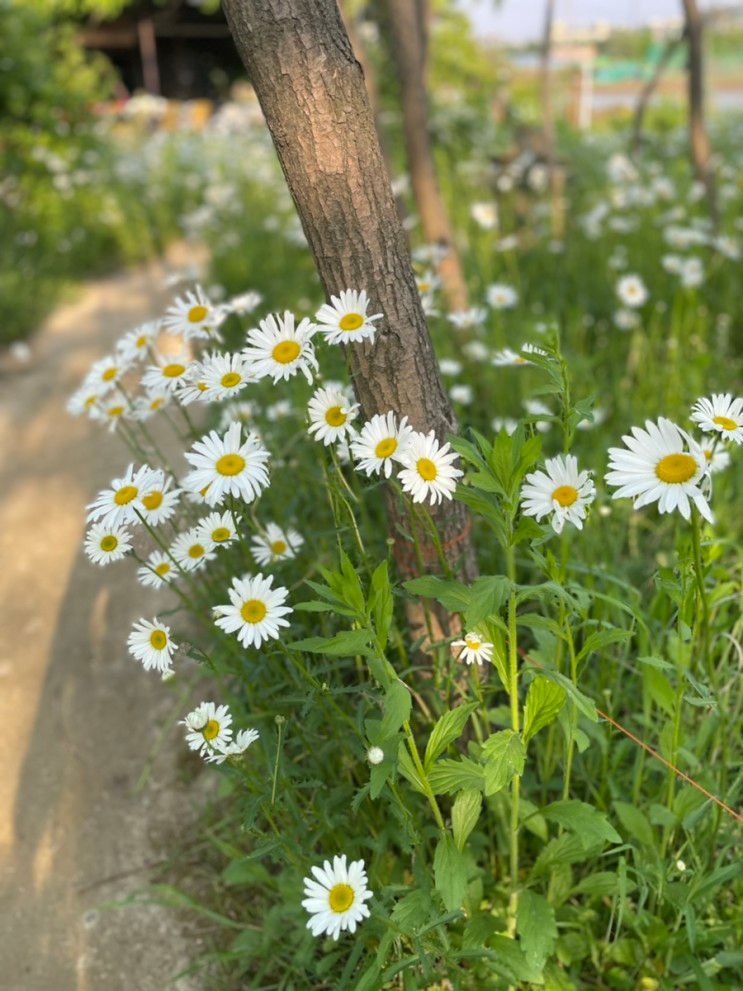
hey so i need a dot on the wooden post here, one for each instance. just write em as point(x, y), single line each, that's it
point(148, 54)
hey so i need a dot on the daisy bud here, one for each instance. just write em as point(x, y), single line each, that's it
point(680, 866)
point(375, 755)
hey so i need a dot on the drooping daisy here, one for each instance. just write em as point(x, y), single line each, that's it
point(275, 544)
point(330, 414)
point(156, 571)
point(227, 465)
point(170, 372)
point(475, 648)
point(428, 469)
point(344, 320)
point(105, 543)
point(336, 897)
point(720, 414)
point(225, 375)
point(208, 728)
point(192, 315)
point(662, 464)
point(150, 643)
point(218, 528)
point(631, 291)
point(278, 349)
point(560, 490)
point(501, 296)
point(243, 739)
point(381, 442)
point(256, 610)
point(506, 357)
point(123, 500)
point(133, 346)
point(192, 549)
point(159, 501)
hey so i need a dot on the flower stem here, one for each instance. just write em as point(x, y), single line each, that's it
point(513, 691)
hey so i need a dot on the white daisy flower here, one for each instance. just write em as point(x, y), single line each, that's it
point(150, 643)
point(375, 755)
point(475, 350)
point(506, 357)
point(720, 414)
point(662, 464)
point(159, 501)
point(256, 610)
point(279, 410)
point(105, 543)
point(109, 412)
point(133, 346)
point(466, 319)
point(218, 528)
point(506, 423)
point(192, 549)
point(123, 500)
point(244, 303)
point(156, 571)
point(428, 471)
point(170, 372)
point(279, 350)
point(485, 215)
point(626, 319)
point(275, 544)
point(83, 399)
point(105, 373)
point(449, 366)
point(381, 442)
point(225, 375)
point(560, 490)
point(344, 320)
point(147, 405)
point(461, 393)
point(227, 466)
point(192, 315)
point(427, 283)
point(475, 648)
point(632, 291)
point(336, 897)
point(330, 413)
point(717, 457)
point(501, 296)
point(244, 411)
point(208, 728)
point(192, 388)
point(239, 745)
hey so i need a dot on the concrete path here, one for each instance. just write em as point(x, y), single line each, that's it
point(79, 716)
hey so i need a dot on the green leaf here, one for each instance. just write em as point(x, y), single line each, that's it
point(353, 594)
point(407, 768)
point(583, 819)
point(487, 596)
point(344, 644)
point(544, 700)
point(511, 962)
point(535, 924)
point(412, 910)
point(600, 639)
point(450, 868)
point(448, 728)
point(452, 595)
point(448, 776)
point(464, 814)
point(566, 849)
point(581, 702)
point(397, 705)
point(635, 822)
point(504, 755)
point(378, 777)
point(381, 603)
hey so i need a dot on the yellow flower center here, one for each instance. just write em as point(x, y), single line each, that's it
point(162, 569)
point(278, 546)
point(202, 386)
point(335, 416)
point(386, 447)
point(230, 464)
point(109, 543)
point(90, 401)
point(156, 403)
point(197, 313)
point(351, 321)
point(424, 286)
point(203, 492)
point(426, 469)
point(231, 379)
point(158, 639)
point(152, 500)
point(141, 341)
point(566, 495)
point(115, 410)
point(174, 370)
point(253, 611)
point(474, 644)
point(220, 534)
point(126, 494)
point(196, 550)
point(285, 352)
point(341, 897)
point(725, 422)
point(211, 729)
point(109, 374)
point(676, 468)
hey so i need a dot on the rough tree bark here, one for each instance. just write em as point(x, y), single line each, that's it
point(312, 93)
point(646, 94)
point(698, 139)
point(408, 20)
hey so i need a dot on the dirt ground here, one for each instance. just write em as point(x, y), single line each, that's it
point(81, 717)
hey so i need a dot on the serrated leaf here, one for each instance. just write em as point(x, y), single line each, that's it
point(503, 755)
point(381, 603)
point(600, 639)
point(448, 728)
point(635, 822)
point(582, 702)
point(535, 924)
point(397, 705)
point(464, 814)
point(583, 819)
point(412, 910)
point(566, 849)
point(450, 868)
point(448, 776)
point(543, 703)
point(487, 596)
point(453, 596)
point(343, 644)
point(510, 961)
point(407, 768)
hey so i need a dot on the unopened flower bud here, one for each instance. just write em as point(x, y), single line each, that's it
point(375, 755)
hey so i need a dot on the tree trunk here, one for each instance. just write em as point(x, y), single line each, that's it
point(312, 93)
point(650, 87)
point(408, 25)
point(548, 123)
point(698, 139)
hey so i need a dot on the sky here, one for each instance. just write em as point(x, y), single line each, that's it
point(521, 20)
